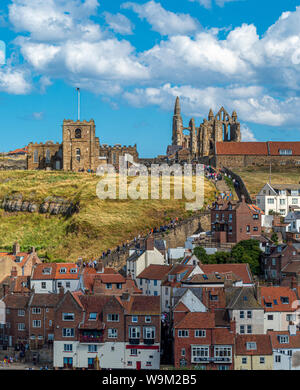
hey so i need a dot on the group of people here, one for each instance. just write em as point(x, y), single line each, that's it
point(211, 174)
point(137, 239)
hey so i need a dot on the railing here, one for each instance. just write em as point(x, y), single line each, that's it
point(148, 341)
point(91, 339)
point(134, 341)
point(202, 359)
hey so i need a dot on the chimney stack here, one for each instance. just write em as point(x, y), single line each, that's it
point(16, 248)
point(99, 267)
point(149, 243)
point(5, 288)
point(61, 291)
point(14, 272)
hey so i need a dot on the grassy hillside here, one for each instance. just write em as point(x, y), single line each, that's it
point(99, 225)
point(256, 178)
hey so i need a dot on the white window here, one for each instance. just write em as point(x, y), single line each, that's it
point(251, 346)
point(278, 359)
point(200, 333)
point(282, 201)
point(283, 339)
point(270, 201)
point(199, 353)
point(242, 329)
point(249, 314)
point(112, 333)
point(242, 314)
point(68, 316)
point(182, 351)
point(43, 285)
point(68, 347)
point(63, 270)
point(21, 326)
point(223, 351)
point(244, 360)
point(36, 310)
point(68, 332)
point(133, 352)
point(92, 348)
point(148, 319)
point(68, 284)
point(113, 317)
point(47, 271)
point(149, 332)
point(183, 333)
point(262, 360)
point(36, 323)
point(21, 313)
point(134, 332)
point(294, 200)
point(134, 319)
point(73, 270)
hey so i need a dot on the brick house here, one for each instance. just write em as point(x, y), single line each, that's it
point(275, 259)
point(198, 342)
point(232, 221)
point(142, 332)
point(107, 331)
point(30, 318)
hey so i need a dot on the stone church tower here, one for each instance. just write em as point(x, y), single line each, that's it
point(80, 146)
point(200, 141)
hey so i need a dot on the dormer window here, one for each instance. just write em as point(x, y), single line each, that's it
point(283, 339)
point(284, 300)
point(73, 270)
point(251, 346)
point(229, 207)
point(19, 259)
point(47, 271)
point(63, 270)
point(285, 152)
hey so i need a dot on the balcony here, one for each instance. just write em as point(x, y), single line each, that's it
point(134, 341)
point(91, 338)
point(148, 341)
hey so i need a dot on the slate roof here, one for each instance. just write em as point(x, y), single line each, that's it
point(241, 298)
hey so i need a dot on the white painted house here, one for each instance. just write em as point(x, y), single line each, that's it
point(293, 220)
point(50, 277)
point(286, 349)
point(278, 198)
point(142, 258)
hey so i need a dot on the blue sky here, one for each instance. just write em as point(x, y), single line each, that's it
point(132, 58)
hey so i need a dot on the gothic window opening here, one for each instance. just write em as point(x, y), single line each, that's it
point(48, 157)
point(36, 156)
point(78, 154)
point(78, 133)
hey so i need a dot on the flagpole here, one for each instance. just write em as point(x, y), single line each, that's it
point(78, 90)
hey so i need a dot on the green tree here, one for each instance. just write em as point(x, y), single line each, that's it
point(201, 254)
point(248, 251)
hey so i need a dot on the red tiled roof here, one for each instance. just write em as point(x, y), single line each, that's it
point(143, 304)
point(223, 336)
point(155, 272)
point(263, 344)
point(55, 271)
point(240, 270)
point(197, 320)
point(269, 294)
point(241, 148)
point(274, 147)
point(294, 341)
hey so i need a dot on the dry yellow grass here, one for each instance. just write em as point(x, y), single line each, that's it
point(256, 178)
point(100, 224)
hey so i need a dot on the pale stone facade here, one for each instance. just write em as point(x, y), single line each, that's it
point(79, 151)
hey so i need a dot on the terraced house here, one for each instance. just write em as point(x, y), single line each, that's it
point(102, 331)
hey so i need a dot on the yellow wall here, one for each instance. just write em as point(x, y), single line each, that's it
point(255, 365)
point(6, 265)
